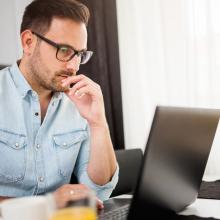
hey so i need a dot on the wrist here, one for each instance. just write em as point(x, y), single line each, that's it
point(99, 125)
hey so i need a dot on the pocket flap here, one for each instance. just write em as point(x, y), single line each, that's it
point(12, 140)
point(68, 139)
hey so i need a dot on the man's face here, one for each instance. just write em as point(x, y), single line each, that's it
point(46, 70)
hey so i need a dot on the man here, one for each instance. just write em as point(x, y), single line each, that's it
point(52, 121)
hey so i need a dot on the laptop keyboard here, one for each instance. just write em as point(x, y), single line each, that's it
point(117, 214)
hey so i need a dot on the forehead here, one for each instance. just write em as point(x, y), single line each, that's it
point(67, 31)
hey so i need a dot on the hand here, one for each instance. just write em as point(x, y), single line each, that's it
point(63, 195)
point(87, 96)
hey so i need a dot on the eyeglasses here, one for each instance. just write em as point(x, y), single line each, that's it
point(65, 52)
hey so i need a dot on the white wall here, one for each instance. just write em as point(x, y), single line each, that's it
point(169, 55)
point(11, 12)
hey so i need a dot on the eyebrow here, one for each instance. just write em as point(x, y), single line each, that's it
point(57, 44)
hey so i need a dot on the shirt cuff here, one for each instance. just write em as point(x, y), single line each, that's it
point(103, 192)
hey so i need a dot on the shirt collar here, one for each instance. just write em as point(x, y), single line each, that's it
point(19, 80)
point(22, 84)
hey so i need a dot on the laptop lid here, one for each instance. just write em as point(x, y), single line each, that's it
point(174, 160)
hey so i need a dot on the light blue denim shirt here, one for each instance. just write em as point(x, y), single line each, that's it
point(37, 158)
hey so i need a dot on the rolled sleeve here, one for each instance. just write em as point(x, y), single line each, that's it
point(103, 192)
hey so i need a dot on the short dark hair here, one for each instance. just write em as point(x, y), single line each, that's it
point(38, 14)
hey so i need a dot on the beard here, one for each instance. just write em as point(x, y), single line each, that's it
point(43, 78)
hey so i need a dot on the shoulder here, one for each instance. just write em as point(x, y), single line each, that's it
point(5, 73)
point(5, 79)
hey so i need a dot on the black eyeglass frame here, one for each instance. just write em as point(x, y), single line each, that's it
point(58, 46)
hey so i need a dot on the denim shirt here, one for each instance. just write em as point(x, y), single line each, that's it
point(38, 158)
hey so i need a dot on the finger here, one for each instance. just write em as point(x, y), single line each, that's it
point(79, 93)
point(73, 79)
point(78, 85)
point(67, 193)
point(75, 93)
point(99, 203)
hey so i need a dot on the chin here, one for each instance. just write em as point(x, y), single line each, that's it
point(56, 86)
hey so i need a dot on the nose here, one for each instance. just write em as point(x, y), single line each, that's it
point(73, 64)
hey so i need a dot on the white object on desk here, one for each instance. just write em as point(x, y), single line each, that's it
point(124, 196)
point(204, 208)
point(25, 208)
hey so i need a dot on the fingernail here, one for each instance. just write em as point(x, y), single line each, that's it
point(100, 201)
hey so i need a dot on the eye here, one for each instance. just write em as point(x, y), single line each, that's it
point(65, 51)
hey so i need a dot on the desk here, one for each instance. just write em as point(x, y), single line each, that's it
point(205, 208)
point(201, 209)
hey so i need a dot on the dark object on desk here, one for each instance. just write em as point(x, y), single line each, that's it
point(117, 209)
point(175, 158)
point(129, 162)
point(174, 161)
point(114, 209)
point(210, 190)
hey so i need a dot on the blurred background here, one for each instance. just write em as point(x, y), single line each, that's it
point(147, 53)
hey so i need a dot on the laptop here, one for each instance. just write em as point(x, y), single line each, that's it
point(173, 165)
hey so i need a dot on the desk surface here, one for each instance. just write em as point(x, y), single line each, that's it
point(200, 209)
point(207, 206)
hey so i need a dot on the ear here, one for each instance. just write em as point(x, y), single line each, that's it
point(28, 41)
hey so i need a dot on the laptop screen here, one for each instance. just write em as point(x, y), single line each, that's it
point(175, 157)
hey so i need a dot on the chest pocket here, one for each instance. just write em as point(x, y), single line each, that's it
point(13, 157)
point(67, 148)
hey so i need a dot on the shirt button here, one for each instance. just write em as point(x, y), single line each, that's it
point(41, 179)
point(16, 145)
point(38, 146)
point(36, 113)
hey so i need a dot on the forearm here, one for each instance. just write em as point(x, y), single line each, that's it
point(102, 161)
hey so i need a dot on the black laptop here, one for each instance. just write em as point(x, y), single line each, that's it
point(174, 162)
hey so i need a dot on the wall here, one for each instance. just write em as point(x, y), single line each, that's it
point(11, 14)
point(169, 55)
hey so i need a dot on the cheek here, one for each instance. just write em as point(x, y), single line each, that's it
point(50, 62)
point(48, 56)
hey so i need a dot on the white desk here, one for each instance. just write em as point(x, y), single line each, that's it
point(204, 208)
